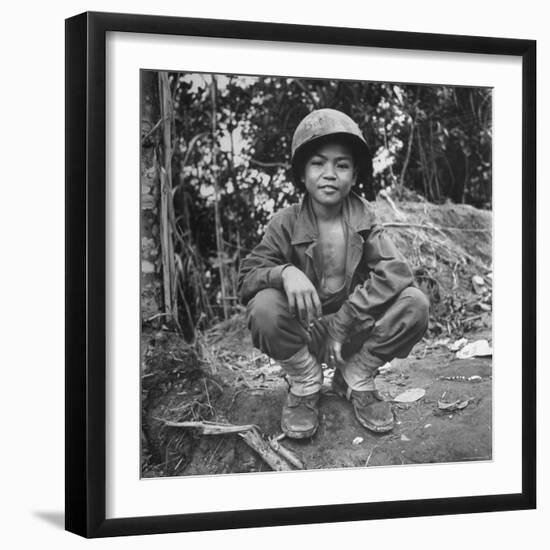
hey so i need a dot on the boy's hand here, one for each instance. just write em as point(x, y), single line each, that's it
point(334, 353)
point(303, 300)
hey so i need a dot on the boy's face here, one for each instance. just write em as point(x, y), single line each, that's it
point(329, 173)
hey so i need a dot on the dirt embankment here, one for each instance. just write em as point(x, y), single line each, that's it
point(222, 378)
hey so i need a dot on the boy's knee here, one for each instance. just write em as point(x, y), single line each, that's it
point(418, 307)
point(265, 309)
point(274, 331)
point(402, 325)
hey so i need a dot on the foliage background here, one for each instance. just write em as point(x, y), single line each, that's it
point(216, 154)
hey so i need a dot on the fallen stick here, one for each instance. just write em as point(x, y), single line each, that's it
point(384, 194)
point(370, 454)
point(439, 229)
point(255, 441)
point(210, 428)
point(287, 454)
point(276, 456)
point(418, 225)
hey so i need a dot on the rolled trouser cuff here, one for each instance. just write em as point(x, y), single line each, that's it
point(360, 369)
point(304, 373)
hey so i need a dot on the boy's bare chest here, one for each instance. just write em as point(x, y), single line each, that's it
point(332, 254)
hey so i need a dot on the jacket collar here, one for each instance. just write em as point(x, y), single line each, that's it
point(357, 213)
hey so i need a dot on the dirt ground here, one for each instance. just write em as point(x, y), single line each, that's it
point(250, 389)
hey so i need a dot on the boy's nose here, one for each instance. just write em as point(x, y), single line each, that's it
point(329, 171)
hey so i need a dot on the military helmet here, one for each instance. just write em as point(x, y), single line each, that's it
point(324, 124)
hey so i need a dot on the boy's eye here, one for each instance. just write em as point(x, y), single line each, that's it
point(343, 165)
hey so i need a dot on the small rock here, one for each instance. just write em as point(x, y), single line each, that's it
point(357, 441)
point(404, 438)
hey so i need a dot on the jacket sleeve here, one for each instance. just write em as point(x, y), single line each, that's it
point(388, 275)
point(263, 267)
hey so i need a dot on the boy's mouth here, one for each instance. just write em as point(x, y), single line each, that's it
point(328, 188)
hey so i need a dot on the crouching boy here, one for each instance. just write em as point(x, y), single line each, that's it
point(327, 285)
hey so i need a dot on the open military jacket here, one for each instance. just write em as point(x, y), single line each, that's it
point(376, 272)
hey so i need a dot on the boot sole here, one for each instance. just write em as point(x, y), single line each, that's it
point(299, 435)
point(376, 429)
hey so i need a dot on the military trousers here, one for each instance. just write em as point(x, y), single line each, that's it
point(395, 331)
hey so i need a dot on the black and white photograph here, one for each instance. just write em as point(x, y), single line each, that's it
point(275, 275)
point(316, 273)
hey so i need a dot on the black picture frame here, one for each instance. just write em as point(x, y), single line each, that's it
point(86, 273)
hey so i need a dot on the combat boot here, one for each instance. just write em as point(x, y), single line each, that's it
point(370, 410)
point(300, 416)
